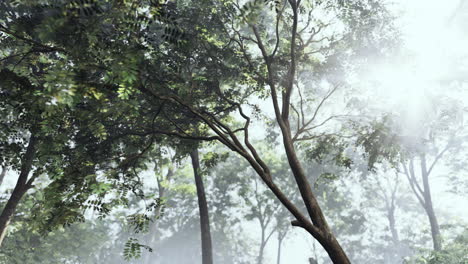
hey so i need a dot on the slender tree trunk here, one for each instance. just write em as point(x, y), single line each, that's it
point(280, 244)
point(21, 187)
point(262, 244)
point(2, 174)
point(423, 193)
point(207, 252)
point(390, 205)
point(260, 254)
point(390, 258)
point(392, 225)
point(153, 232)
point(435, 229)
point(429, 208)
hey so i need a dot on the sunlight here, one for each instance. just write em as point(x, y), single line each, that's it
point(434, 52)
point(398, 83)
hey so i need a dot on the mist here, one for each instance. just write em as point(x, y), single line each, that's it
point(234, 132)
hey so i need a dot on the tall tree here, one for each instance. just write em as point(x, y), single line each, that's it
point(206, 244)
point(417, 150)
point(213, 75)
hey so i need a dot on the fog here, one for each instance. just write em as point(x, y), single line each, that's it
point(386, 159)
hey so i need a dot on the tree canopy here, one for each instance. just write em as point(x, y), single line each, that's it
point(98, 94)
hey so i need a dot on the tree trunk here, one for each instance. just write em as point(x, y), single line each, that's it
point(390, 206)
point(2, 174)
point(326, 238)
point(334, 250)
point(21, 187)
point(435, 230)
point(207, 252)
point(154, 227)
point(429, 208)
point(260, 254)
point(262, 244)
point(391, 222)
point(280, 242)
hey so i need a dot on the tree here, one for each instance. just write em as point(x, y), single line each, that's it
point(211, 78)
point(260, 205)
point(453, 253)
point(207, 251)
point(24, 148)
point(422, 148)
point(79, 242)
point(385, 192)
point(2, 174)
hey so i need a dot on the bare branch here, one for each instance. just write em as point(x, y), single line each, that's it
point(333, 90)
point(298, 118)
point(438, 157)
point(274, 94)
point(292, 66)
point(304, 138)
point(412, 185)
point(413, 176)
point(278, 19)
point(301, 103)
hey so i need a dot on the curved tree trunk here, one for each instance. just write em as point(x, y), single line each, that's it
point(207, 251)
point(325, 236)
point(21, 187)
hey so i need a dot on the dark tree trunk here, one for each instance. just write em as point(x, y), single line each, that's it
point(334, 250)
point(2, 174)
point(207, 252)
point(326, 238)
point(21, 187)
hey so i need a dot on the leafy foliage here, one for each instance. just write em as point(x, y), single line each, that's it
point(454, 253)
point(133, 249)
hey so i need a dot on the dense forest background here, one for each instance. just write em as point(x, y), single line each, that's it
point(233, 131)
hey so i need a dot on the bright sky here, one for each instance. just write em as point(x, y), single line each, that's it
point(434, 42)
